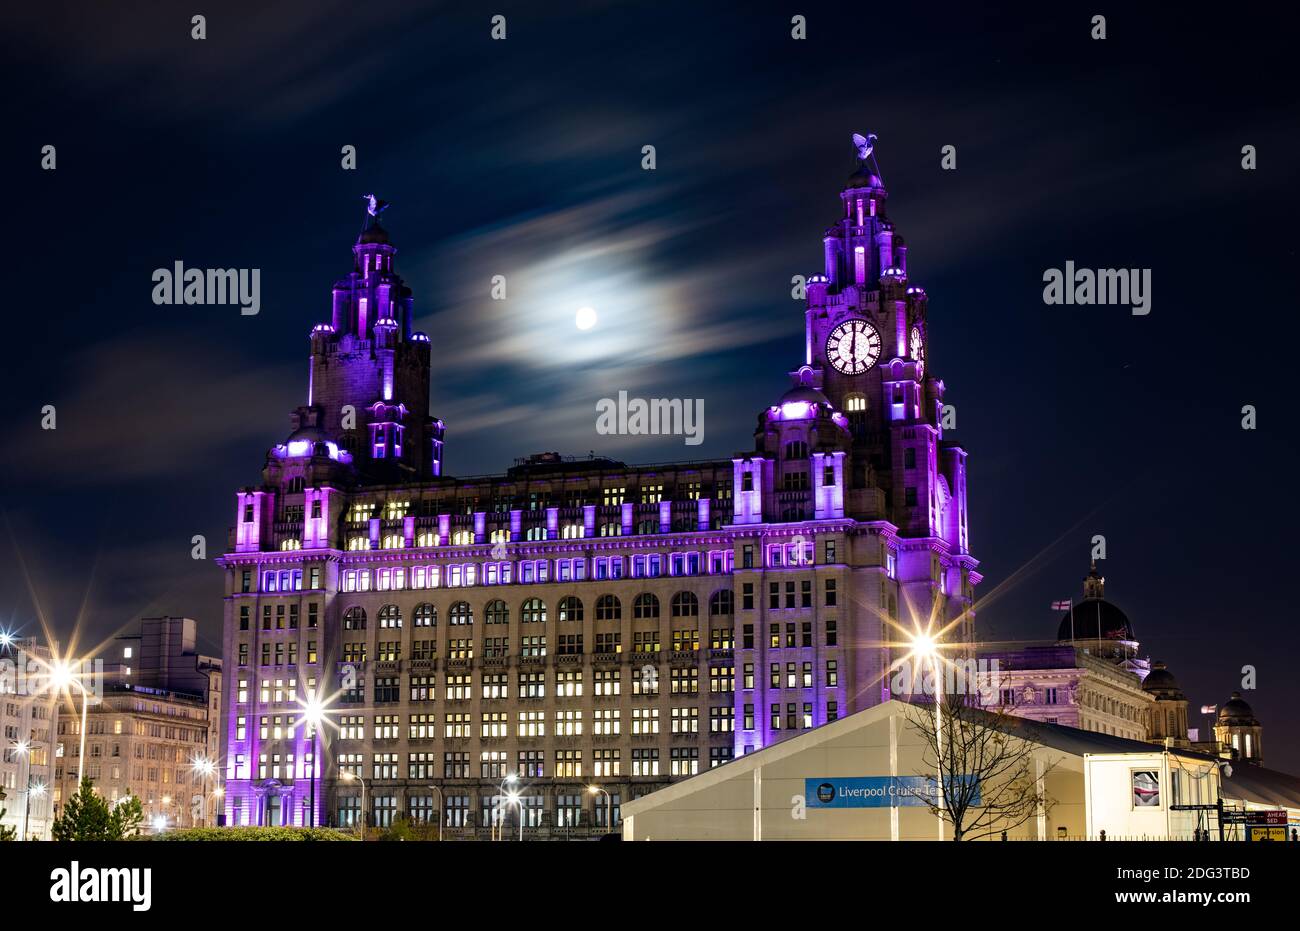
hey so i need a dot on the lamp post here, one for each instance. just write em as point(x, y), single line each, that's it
point(609, 802)
point(517, 799)
point(438, 789)
point(313, 713)
point(62, 678)
point(348, 775)
point(927, 648)
point(39, 791)
point(24, 749)
point(205, 768)
point(217, 794)
point(498, 829)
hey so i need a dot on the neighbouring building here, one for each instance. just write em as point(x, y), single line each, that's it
point(156, 718)
point(582, 622)
point(27, 724)
point(1091, 677)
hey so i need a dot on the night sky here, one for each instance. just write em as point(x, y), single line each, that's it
point(523, 158)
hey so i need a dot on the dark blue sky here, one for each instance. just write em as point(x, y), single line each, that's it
point(522, 158)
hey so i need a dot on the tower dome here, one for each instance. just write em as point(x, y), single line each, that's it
point(373, 233)
point(1237, 712)
point(1237, 730)
point(1095, 618)
point(1161, 683)
point(806, 393)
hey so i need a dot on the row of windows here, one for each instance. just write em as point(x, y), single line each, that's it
point(614, 496)
point(534, 610)
point(527, 571)
point(606, 683)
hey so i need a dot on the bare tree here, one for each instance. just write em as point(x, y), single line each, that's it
point(987, 780)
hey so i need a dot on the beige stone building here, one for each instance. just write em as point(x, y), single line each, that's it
point(155, 718)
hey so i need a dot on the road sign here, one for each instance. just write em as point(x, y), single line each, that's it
point(1273, 818)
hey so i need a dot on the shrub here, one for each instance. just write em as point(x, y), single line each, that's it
point(250, 833)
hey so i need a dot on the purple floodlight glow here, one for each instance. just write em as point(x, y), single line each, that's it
point(796, 410)
point(296, 449)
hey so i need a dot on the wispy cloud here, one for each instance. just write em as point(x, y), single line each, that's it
point(142, 406)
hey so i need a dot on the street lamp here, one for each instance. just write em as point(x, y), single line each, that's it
point(348, 775)
point(63, 678)
point(438, 789)
point(205, 768)
point(313, 713)
point(498, 829)
point(39, 791)
point(609, 801)
point(926, 647)
point(516, 799)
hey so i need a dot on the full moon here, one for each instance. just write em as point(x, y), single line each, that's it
point(586, 318)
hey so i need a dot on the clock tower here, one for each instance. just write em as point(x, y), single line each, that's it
point(866, 348)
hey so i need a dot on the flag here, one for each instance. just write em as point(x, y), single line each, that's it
point(1060, 606)
point(1209, 709)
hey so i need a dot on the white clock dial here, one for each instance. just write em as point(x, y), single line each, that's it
point(918, 352)
point(853, 347)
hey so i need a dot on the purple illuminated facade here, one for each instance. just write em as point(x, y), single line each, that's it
point(585, 621)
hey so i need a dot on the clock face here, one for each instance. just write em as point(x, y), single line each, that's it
point(853, 347)
point(918, 352)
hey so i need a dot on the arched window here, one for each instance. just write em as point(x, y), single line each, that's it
point(390, 616)
point(723, 601)
point(573, 531)
point(460, 614)
point(570, 609)
point(535, 533)
point(533, 611)
point(796, 449)
point(645, 605)
point(354, 618)
point(855, 403)
point(293, 543)
point(497, 612)
point(295, 484)
point(426, 615)
point(609, 608)
point(393, 541)
point(685, 604)
point(650, 525)
point(462, 537)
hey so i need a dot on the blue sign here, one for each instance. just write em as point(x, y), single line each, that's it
point(877, 791)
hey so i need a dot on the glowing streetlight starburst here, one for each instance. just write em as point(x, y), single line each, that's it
point(203, 766)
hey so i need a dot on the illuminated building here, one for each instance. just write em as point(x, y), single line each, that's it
point(27, 723)
point(582, 622)
point(157, 715)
